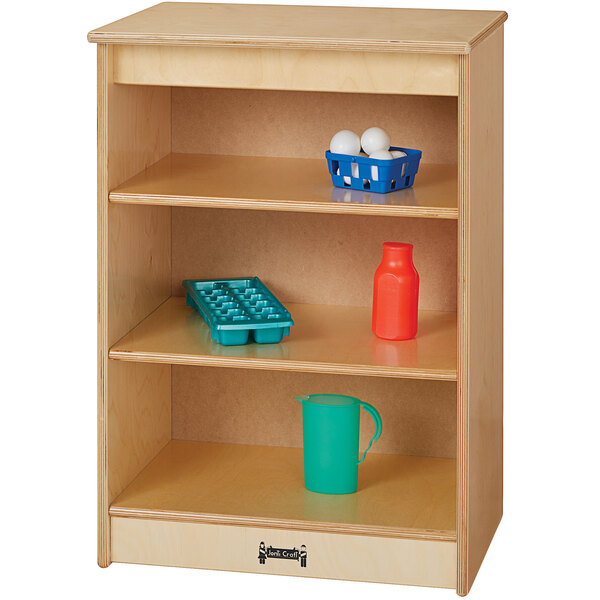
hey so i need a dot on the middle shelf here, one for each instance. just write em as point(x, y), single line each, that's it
point(325, 339)
point(283, 184)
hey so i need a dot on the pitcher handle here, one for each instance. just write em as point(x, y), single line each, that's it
point(377, 418)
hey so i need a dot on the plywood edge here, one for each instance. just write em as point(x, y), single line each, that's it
point(105, 37)
point(302, 185)
point(424, 212)
point(278, 365)
point(462, 509)
point(312, 27)
point(329, 555)
point(103, 74)
point(463, 590)
point(425, 47)
point(485, 33)
point(246, 521)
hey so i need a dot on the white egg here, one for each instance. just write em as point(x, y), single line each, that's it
point(399, 154)
point(354, 167)
point(379, 155)
point(345, 142)
point(374, 139)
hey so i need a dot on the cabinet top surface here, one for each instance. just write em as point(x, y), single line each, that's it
point(318, 27)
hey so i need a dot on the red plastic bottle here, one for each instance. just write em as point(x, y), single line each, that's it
point(396, 294)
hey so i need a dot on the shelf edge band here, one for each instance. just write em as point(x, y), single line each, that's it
point(317, 526)
point(279, 365)
point(433, 47)
point(290, 206)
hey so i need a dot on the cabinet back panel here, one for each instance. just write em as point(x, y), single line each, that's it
point(301, 124)
point(311, 258)
point(257, 407)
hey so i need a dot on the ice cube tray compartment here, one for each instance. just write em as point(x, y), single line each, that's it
point(239, 311)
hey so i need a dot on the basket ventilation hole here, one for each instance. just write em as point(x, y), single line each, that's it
point(393, 184)
point(366, 184)
point(407, 181)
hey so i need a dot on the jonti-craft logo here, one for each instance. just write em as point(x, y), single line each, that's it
point(284, 553)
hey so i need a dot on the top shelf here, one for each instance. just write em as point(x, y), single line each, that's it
point(305, 27)
point(283, 184)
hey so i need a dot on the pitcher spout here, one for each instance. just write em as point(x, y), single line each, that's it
point(301, 399)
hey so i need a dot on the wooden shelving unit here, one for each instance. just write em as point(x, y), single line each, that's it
point(213, 121)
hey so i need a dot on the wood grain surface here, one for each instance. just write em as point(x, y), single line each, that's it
point(330, 555)
point(274, 68)
point(134, 267)
point(263, 486)
point(324, 339)
point(480, 307)
point(139, 419)
point(289, 184)
point(306, 27)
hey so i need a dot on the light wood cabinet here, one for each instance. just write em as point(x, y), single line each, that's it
point(212, 126)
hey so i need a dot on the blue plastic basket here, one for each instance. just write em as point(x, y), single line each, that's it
point(395, 174)
point(234, 308)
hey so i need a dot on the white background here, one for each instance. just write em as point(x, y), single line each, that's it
point(547, 543)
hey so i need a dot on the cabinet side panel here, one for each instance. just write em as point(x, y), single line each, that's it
point(134, 273)
point(139, 419)
point(480, 336)
point(139, 127)
point(139, 264)
point(102, 216)
point(139, 238)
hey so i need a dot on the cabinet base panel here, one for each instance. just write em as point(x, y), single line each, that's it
point(329, 556)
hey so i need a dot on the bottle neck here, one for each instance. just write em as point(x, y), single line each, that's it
point(397, 255)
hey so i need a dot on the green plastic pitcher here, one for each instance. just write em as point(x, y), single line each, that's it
point(331, 424)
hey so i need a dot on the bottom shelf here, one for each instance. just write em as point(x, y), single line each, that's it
point(262, 486)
